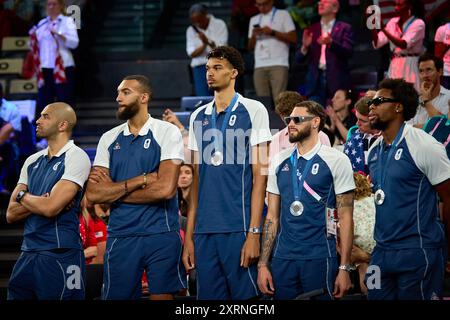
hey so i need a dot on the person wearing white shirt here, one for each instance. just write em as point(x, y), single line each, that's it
point(405, 35)
point(205, 34)
point(270, 33)
point(433, 99)
point(56, 34)
point(442, 50)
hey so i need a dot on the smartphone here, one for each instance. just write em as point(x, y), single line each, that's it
point(256, 26)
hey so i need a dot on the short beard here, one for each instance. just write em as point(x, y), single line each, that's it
point(301, 135)
point(379, 125)
point(129, 112)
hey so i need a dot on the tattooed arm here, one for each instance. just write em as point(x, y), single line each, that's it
point(270, 230)
point(344, 205)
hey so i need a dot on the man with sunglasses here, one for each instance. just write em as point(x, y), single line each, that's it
point(409, 169)
point(228, 138)
point(310, 188)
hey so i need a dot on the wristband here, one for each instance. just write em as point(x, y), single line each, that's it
point(126, 187)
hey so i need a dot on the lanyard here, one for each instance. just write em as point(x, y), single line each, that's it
point(381, 175)
point(408, 24)
point(225, 121)
point(274, 10)
point(296, 183)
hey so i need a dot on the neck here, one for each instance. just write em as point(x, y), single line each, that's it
point(223, 98)
point(391, 132)
point(56, 143)
point(436, 90)
point(185, 192)
point(326, 18)
point(137, 122)
point(342, 113)
point(403, 17)
point(53, 17)
point(308, 144)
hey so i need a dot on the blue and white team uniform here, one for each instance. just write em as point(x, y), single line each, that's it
point(51, 265)
point(224, 196)
point(141, 236)
point(411, 249)
point(304, 255)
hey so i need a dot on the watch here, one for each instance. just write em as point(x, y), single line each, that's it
point(20, 195)
point(254, 230)
point(346, 267)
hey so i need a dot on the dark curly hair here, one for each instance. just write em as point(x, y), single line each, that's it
point(286, 101)
point(404, 93)
point(231, 54)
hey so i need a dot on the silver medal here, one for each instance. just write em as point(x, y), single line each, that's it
point(217, 158)
point(379, 197)
point(296, 208)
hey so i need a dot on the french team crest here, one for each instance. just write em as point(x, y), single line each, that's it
point(205, 122)
point(285, 168)
point(116, 146)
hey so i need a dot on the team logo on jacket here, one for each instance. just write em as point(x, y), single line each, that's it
point(285, 168)
point(398, 154)
point(205, 122)
point(55, 167)
point(232, 120)
point(147, 143)
point(116, 146)
point(315, 169)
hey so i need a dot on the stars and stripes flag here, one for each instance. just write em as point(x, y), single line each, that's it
point(354, 149)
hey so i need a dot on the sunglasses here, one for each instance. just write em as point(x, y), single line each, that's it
point(298, 119)
point(377, 101)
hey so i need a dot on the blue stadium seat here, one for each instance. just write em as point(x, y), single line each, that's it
point(183, 116)
point(192, 103)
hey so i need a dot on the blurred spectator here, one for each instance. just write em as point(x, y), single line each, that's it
point(303, 12)
point(340, 114)
point(10, 24)
point(98, 226)
point(284, 104)
point(442, 51)
point(327, 45)
point(51, 41)
point(405, 35)
point(87, 233)
point(364, 220)
point(241, 12)
point(184, 187)
point(204, 34)
point(439, 128)
point(270, 33)
point(433, 98)
point(10, 124)
point(171, 117)
point(361, 137)
point(23, 8)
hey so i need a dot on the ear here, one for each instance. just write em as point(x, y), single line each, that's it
point(399, 108)
point(145, 98)
point(63, 126)
point(234, 74)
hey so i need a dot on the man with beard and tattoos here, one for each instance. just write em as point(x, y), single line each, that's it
point(310, 189)
point(136, 171)
point(409, 169)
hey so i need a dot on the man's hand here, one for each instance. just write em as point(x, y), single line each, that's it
point(170, 116)
point(266, 31)
point(203, 37)
point(425, 90)
point(256, 32)
point(188, 254)
point(265, 282)
point(307, 38)
point(250, 250)
point(325, 39)
point(98, 175)
point(342, 284)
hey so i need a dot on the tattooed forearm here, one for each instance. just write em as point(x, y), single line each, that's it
point(268, 239)
point(344, 200)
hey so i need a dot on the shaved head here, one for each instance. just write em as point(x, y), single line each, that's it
point(63, 112)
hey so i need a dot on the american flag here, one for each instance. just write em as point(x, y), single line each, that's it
point(354, 149)
point(432, 7)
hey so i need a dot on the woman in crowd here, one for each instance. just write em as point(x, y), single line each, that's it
point(340, 114)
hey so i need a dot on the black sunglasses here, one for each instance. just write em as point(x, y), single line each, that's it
point(298, 119)
point(377, 101)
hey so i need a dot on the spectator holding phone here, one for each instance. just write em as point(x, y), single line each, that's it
point(204, 34)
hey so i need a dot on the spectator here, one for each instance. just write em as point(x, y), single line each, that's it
point(284, 104)
point(10, 124)
point(184, 188)
point(405, 35)
point(409, 169)
point(439, 128)
point(364, 220)
point(205, 33)
point(341, 115)
point(327, 45)
point(442, 51)
point(270, 33)
point(433, 99)
point(241, 12)
point(309, 188)
point(10, 24)
point(87, 233)
point(361, 137)
point(51, 41)
point(23, 8)
point(98, 226)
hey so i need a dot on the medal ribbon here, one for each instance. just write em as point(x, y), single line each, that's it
point(296, 183)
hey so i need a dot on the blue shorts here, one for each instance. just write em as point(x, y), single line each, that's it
point(127, 258)
point(47, 275)
point(294, 277)
point(219, 274)
point(406, 274)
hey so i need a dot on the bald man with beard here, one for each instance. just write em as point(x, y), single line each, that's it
point(47, 197)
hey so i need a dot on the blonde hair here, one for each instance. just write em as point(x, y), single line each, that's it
point(363, 189)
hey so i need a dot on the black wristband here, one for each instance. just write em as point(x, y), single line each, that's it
point(273, 33)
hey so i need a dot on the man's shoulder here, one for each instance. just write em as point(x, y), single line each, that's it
point(343, 24)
